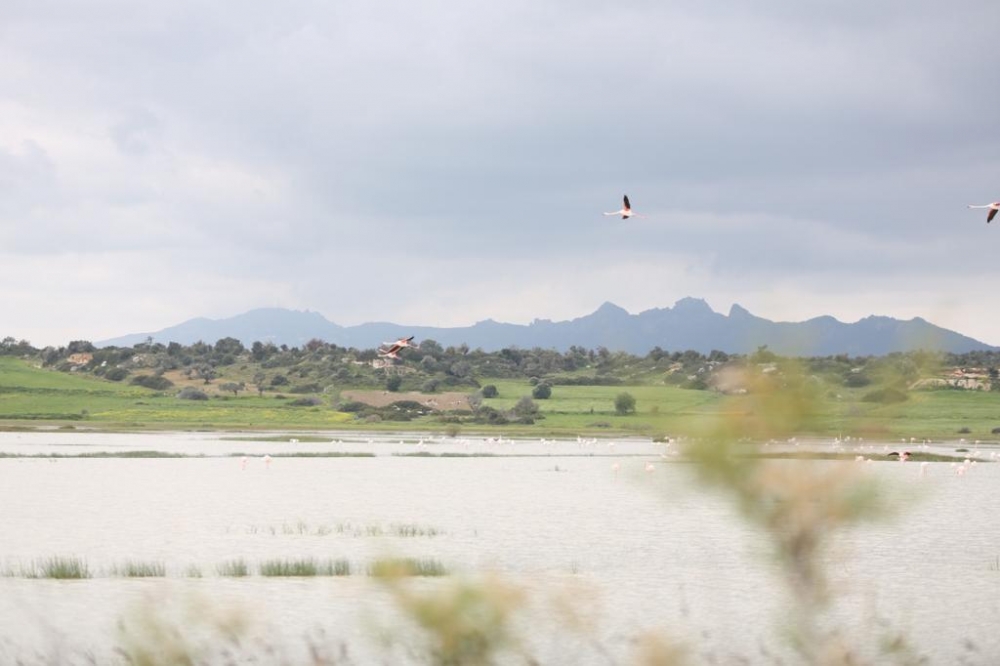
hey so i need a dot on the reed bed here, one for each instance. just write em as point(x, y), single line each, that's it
point(407, 566)
point(305, 567)
point(136, 569)
point(402, 530)
point(237, 568)
point(57, 567)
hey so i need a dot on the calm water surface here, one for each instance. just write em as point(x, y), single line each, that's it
point(630, 550)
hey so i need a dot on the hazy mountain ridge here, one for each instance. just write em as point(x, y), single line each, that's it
point(689, 324)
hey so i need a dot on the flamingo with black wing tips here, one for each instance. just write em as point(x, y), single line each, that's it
point(626, 211)
point(395, 347)
point(993, 207)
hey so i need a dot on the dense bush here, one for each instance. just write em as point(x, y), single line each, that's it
point(490, 391)
point(490, 416)
point(525, 407)
point(412, 405)
point(624, 404)
point(191, 393)
point(116, 374)
point(155, 382)
point(542, 391)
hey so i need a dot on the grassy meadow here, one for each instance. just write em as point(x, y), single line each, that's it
point(32, 396)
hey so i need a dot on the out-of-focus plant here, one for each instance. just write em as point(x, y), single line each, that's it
point(463, 622)
point(162, 631)
point(801, 506)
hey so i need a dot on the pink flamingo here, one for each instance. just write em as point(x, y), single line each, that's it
point(626, 210)
point(993, 208)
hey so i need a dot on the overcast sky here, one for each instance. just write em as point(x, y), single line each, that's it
point(440, 163)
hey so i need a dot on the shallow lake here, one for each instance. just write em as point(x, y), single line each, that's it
point(582, 526)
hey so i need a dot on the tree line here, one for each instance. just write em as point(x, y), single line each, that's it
point(431, 367)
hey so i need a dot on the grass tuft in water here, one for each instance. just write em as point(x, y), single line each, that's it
point(407, 566)
point(133, 569)
point(305, 567)
point(59, 567)
point(234, 568)
point(412, 530)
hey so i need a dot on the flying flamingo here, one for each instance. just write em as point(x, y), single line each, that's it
point(993, 207)
point(626, 211)
point(395, 347)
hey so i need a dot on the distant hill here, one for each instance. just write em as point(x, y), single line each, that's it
point(689, 324)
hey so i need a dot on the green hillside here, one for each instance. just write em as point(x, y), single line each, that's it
point(31, 396)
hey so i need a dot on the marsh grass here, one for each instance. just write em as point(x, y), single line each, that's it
point(136, 569)
point(299, 528)
point(58, 567)
point(407, 567)
point(401, 530)
point(412, 530)
point(236, 568)
point(103, 454)
point(305, 567)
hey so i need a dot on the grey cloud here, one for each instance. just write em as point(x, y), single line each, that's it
point(309, 141)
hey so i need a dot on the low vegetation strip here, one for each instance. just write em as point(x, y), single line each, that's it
point(67, 568)
point(58, 567)
point(305, 567)
point(521, 392)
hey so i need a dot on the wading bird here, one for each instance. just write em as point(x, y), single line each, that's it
point(994, 207)
point(626, 211)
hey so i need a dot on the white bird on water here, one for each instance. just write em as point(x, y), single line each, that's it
point(993, 208)
point(626, 211)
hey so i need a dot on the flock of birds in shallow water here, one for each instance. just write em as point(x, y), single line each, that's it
point(865, 452)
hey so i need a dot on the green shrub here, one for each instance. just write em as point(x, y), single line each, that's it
point(542, 391)
point(116, 374)
point(191, 393)
point(155, 382)
point(886, 396)
point(305, 402)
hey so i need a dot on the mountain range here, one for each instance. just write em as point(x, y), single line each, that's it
point(689, 324)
